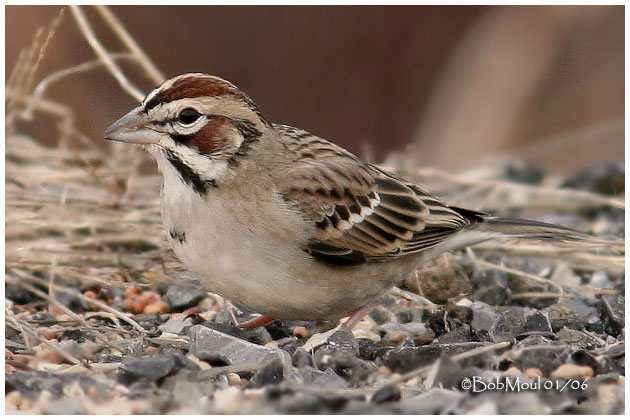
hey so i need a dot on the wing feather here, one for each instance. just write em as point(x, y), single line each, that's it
point(359, 212)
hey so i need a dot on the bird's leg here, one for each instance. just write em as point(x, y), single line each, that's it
point(358, 315)
point(260, 321)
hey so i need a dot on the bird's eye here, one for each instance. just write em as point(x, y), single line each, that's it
point(188, 116)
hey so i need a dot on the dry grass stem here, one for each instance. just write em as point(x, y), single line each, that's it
point(499, 194)
point(26, 329)
point(143, 59)
point(102, 54)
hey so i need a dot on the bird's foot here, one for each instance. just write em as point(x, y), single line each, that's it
point(358, 315)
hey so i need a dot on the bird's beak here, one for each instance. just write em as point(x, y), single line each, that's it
point(132, 127)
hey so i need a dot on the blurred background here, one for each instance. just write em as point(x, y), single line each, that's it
point(416, 85)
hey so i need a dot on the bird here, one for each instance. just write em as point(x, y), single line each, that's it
point(283, 222)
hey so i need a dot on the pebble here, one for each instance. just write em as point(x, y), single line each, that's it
point(435, 401)
point(388, 393)
point(372, 349)
point(65, 406)
point(301, 332)
point(532, 372)
point(460, 334)
point(384, 370)
point(545, 357)
point(570, 371)
point(151, 367)
point(270, 373)
point(397, 336)
point(233, 379)
point(408, 358)
point(517, 321)
point(570, 313)
point(484, 317)
point(416, 331)
point(209, 344)
point(605, 178)
point(301, 358)
point(445, 373)
point(228, 400)
point(612, 309)
point(330, 380)
point(513, 370)
point(179, 298)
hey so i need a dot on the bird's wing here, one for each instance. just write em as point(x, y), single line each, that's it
point(361, 213)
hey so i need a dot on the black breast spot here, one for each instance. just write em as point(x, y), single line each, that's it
point(180, 236)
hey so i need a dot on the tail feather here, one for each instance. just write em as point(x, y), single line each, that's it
point(496, 227)
point(523, 228)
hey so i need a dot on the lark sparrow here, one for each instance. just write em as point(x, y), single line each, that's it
point(284, 222)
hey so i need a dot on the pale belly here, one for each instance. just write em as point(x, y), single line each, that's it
point(270, 281)
point(265, 269)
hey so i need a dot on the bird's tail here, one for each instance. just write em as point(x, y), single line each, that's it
point(523, 228)
point(495, 227)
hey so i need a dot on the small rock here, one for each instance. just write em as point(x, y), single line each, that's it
point(309, 374)
point(533, 372)
point(607, 178)
point(179, 298)
point(176, 325)
point(65, 406)
point(546, 357)
point(435, 401)
point(107, 358)
point(187, 392)
point(301, 358)
point(300, 332)
point(572, 371)
point(150, 367)
point(388, 393)
point(380, 315)
point(517, 321)
point(440, 280)
point(17, 294)
point(402, 360)
point(458, 335)
point(299, 403)
point(417, 331)
point(350, 367)
point(523, 172)
point(270, 373)
point(69, 301)
point(601, 280)
point(524, 403)
point(397, 336)
point(484, 317)
point(576, 338)
point(513, 370)
point(150, 321)
point(612, 309)
point(445, 373)
point(570, 313)
point(228, 400)
point(258, 335)
point(330, 380)
point(359, 407)
point(371, 350)
point(484, 408)
point(209, 344)
point(492, 295)
point(33, 383)
point(486, 278)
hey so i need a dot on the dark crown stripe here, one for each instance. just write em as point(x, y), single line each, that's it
point(195, 87)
